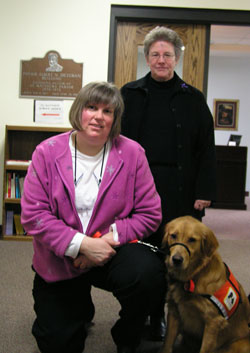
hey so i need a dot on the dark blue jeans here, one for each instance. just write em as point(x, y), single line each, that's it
point(135, 276)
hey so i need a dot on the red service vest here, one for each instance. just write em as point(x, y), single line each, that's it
point(226, 298)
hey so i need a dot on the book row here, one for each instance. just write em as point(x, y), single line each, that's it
point(13, 224)
point(14, 185)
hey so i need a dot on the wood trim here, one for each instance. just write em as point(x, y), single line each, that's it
point(193, 65)
point(126, 32)
point(183, 15)
point(37, 128)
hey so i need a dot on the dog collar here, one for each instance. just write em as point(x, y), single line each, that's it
point(226, 299)
point(189, 286)
point(185, 246)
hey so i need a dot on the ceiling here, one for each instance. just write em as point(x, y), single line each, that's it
point(230, 41)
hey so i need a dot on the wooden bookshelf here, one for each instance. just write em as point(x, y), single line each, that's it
point(20, 142)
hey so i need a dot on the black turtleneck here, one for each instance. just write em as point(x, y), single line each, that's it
point(158, 130)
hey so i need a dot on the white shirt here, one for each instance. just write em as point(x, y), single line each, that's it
point(87, 176)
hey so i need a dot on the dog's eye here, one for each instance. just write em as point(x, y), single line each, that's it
point(191, 240)
point(173, 236)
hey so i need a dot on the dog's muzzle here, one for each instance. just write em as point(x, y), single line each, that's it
point(178, 259)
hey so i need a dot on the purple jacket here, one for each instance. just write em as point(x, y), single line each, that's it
point(127, 197)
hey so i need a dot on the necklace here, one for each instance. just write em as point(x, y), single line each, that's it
point(103, 155)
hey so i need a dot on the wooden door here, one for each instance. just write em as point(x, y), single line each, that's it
point(131, 34)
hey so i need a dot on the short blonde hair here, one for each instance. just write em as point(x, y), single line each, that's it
point(96, 93)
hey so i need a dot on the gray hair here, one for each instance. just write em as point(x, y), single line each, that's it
point(165, 34)
point(98, 93)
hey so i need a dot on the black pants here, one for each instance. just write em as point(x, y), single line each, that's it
point(135, 276)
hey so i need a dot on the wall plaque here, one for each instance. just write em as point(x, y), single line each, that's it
point(50, 77)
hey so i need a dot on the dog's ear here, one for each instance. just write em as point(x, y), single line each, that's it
point(164, 243)
point(209, 242)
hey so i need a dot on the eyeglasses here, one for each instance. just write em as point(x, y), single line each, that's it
point(166, 56)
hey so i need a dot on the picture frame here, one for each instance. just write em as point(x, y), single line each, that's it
point(226, 112)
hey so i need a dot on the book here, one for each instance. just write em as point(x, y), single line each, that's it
point(17, 187)
point(12, 186)
point(18, 225)
point(21, 181)
point(9, 222)
point(8, 185)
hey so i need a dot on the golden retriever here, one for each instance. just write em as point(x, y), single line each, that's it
point(195, 272)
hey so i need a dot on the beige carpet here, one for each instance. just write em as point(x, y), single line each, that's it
point(229, 224)
point(231, 227)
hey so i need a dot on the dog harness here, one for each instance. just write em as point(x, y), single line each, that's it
point(226, 299)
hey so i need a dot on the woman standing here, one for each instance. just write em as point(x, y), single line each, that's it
point(172, 121)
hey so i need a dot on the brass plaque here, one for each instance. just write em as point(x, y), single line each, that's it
point(50, 77)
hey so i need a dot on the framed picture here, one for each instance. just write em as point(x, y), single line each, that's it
point(226, 114)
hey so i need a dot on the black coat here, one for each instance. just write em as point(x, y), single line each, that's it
point(192, 175)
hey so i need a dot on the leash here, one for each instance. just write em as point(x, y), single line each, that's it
point(136, 241)
point(152, 247)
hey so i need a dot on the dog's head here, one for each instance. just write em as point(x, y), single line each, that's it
point(188, 244)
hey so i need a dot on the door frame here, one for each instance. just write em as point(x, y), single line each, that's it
point(171, 15)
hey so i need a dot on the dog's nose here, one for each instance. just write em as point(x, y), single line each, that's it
point(177, 260)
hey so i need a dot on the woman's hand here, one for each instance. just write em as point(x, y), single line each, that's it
point(96, 252)
point(109, 238)
point(201, 204)
point(82, 262)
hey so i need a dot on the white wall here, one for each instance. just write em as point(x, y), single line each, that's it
point(229, 78)
point(78, 30)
